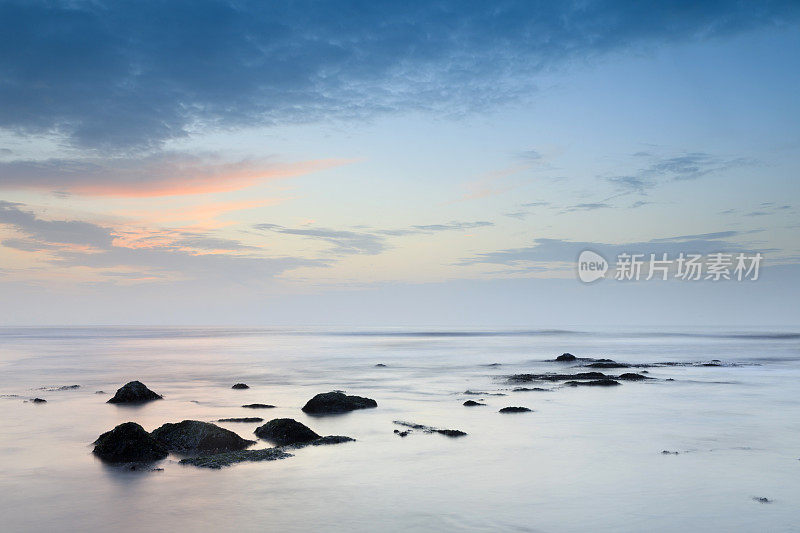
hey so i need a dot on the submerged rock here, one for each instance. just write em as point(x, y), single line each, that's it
point(380, 365)
point(429, 429)
point(482, 393)
point(594, 383)
point(528, 389)
point(245, 419)
point(39, 400)
point(239, 386)
point(258, 406)
point(472, 403)
point(61, 388)
point(566, 358)
point(134, 392)
point(337, 402)
point(667, 452)
point(608, 364)
point(761, 499)
point(630, 376)
point(193, 436)
point(220, 460)
point(284, 431)
point(523, 378)
point(514, 410)
point(128, 442)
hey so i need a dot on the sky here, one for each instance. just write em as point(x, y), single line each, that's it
point(395, 163)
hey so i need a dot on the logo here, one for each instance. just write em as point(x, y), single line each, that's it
point(591, 266)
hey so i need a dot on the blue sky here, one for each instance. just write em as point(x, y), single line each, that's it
point(379, 163)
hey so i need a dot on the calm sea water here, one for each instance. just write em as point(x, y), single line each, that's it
point(587, 459)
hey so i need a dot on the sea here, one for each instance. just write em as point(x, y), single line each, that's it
point(583, 459)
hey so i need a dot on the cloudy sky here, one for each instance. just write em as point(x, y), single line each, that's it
point(394, 163)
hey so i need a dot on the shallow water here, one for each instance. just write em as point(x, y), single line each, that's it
point(586, 459)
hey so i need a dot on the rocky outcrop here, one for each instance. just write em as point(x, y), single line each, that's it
point(285, 431)
point(566, 358)
point(134, 392)
point(337, 402)
point(524, 378)
point(472, 403)
point(514, 410)
point(249, 419)
point(258, 406)
point(240, 386)
point(593, 383)
point(128, 442)
point(429, 429)
point(193, 436)
point(220, 460)
point(630, 376)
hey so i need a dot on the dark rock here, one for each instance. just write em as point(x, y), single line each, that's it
point(429, 429)
point(220, 460)
point(482, 393)
point(566, 358)
point(193, 436)
point(528, 389)
point(337, 402)
point(245, 419)
point(472, 403)
point(632, 377)
point(134, 392)
point(608, 364)
point(594, 383)
point(380, 365)
point(39, 400)
point(331, 439)
point(514, 410)
point(402, 433)
point(99, 392)
point(61, 388)
point(667, 452)
point(258, 406)
point(494, 364)
point(524, 378)
point(239, 386)
point(284, 431)
point(126, 443)
point(761, 499)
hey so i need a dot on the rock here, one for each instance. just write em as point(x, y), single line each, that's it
point(380, 365)
point(472, 403)
point(193, 436)
point(240, 386)
point(134, 392)
point(258, 406)
point(494, 364)
point(528, 389)
point(667, 452)
point(246, 419)
point(566, 358)
point(284, 431)
point(607, 364)
point(514, 410)
point(337, 402)
point(228, 458)
point(429, 429)
point(482, 393)
point(39, 400)
point(761, 499)
point(61, 388)
point(524, 378)
point(632, 377)
point(99, 392)
point(402, 433)
point(594, 383)
point(329, 439)
point(126, 443)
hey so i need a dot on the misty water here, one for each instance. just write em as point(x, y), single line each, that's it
point(586, 458)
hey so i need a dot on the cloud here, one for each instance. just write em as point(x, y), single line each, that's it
point(372, 242)
point(72, 243)
point(589, 206)
point(158, 174)
point(684, 167)
point(559, 250)
point(134, 73)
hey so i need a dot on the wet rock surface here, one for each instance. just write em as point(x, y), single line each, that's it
point(258, 406)
point(221, 460)
point(566, 358)
point(285, 431)
point(128, 442)
point(134, 392)
point(241, 386)
point(430, 429)
point(514, 410)
point(337, 402)
point(633, 377)
point(593, 383)
point(193, 436)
